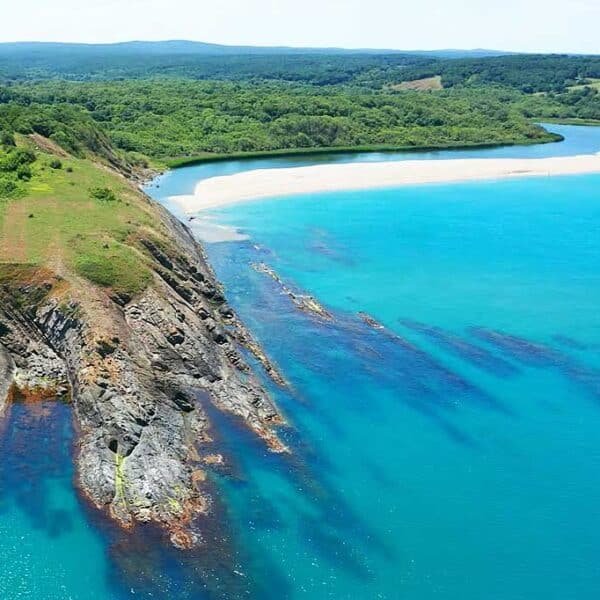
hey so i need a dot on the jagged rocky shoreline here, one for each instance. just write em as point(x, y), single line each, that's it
point(138, 371)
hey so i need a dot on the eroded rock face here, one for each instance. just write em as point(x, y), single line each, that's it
point(7, 368)
point(139, 371)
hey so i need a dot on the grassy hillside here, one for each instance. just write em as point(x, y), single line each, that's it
point(78, 218)
point(426, 84)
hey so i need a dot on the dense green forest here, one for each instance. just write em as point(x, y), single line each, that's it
point(317, 69)
point(133, 106)
point(527, 73)
point(174, 118)
point(196, 60)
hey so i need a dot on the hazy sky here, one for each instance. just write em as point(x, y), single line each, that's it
point(527, 25)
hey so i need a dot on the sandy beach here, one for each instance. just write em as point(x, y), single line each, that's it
point(268, 183)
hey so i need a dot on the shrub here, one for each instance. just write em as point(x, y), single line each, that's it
point(7, 187)
point(13, 160)
point(137, 160)
point(24, 173)
point(103, 194)
point(24, 156)
point(7, 139)
point(66, 142)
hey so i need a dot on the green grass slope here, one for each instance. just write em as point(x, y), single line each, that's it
point(78, 218)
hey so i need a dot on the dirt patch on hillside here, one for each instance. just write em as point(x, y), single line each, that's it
point(46, 145)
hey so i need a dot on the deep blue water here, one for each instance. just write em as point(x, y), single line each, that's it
point(451, 455)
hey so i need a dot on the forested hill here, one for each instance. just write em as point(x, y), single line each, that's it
point(312, 68)
point(170, 119)
point(186, 47)
point(526, 72)
point(317, 66)
point(169, 101)
point(36, 60)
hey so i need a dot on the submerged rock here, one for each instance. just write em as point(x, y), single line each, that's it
point(303, 302)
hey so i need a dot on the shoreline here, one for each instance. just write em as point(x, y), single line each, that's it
point(260, 184)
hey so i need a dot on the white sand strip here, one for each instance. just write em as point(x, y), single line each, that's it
point(268, 183)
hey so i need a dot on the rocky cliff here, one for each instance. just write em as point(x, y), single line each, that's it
point(139, 371)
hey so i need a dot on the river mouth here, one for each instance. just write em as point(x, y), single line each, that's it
point(577, 140)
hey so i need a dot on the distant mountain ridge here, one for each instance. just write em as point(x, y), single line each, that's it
point(186, 47)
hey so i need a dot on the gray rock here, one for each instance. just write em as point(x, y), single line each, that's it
point(140, 371)
point(7, 368)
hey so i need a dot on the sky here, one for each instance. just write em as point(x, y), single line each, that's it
point(520, 25)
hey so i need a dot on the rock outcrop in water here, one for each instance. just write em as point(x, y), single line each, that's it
point(139, 371)
point(303, 302)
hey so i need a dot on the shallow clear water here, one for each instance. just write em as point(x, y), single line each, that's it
point(452, 454)
point(54, 546)
point(42, 534)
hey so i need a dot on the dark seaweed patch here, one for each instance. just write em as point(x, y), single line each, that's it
point(525, 351)
point(455, 344)
point(427, 377)
point(320, 242)
point(539, 355)
point(334, 548)
point(569, 342)
point(348, 345)
point(311, 474)
point(33, 450)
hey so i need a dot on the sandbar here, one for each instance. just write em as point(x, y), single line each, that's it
point(258, 184)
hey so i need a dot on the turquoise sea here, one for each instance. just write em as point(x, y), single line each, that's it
point(450, 453)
